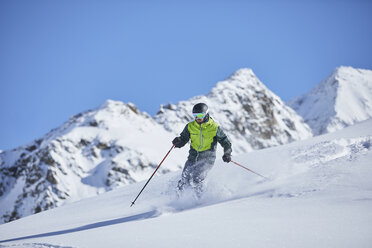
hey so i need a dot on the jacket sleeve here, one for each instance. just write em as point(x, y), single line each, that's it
point(224, 141)
point(185, 135)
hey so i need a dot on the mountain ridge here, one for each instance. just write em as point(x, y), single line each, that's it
point(246, 109)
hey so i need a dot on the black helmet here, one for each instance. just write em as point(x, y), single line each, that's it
point(200, 108)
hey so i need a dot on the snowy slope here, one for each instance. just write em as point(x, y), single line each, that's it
point(319, 195)
point(251, 115)
point(96, 151)
point(341, 100)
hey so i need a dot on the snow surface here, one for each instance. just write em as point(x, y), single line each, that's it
point(341, 100)
point(319, 195)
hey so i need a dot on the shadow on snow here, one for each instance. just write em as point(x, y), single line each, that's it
point(146, 215)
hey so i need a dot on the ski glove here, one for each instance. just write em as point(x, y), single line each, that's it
point(177, 142)
point(226, 157)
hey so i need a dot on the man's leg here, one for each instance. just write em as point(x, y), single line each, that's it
point(184, 182)
point(199, 174)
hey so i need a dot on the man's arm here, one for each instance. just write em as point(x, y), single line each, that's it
point(225, 143)
point(183, 138)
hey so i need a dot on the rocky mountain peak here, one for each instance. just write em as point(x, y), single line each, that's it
point(241, 79)
point(242, 75)
point(250, 114)
point(341, 100)
point(119, 108)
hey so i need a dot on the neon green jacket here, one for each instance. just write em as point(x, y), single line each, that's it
point(204, 137)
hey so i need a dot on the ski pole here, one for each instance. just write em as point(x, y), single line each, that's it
point(151, 176)
point(250, 170)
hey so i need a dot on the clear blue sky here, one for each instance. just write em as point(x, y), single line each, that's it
point(61, 57)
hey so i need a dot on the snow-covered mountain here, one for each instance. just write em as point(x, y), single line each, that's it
point(116, 144)
point(319, 196)
point(341, 100)
point(93, 152)
point(251, 115)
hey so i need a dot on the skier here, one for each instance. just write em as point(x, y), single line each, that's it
point(204, 133)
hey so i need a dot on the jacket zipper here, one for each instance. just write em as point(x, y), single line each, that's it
point(200, 141)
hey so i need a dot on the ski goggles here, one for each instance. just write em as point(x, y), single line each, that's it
point(199, 115)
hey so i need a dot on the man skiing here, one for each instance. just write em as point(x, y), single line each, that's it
point(204, 134)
